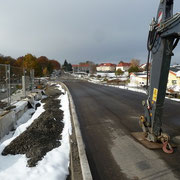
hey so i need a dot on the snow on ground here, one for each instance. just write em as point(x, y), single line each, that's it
point(17, 96)
point(103, 74)
point(20, 105)
point(54, 166)
point(130, 87)
point(140, 91)
point(175, 88)
point(173, 99)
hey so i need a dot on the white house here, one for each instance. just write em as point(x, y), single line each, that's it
point(143, 67)
point(123, 66)
point(106, 67)
point(174, 78)
point(138, 79)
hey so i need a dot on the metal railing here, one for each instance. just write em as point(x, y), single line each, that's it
point(14, 83)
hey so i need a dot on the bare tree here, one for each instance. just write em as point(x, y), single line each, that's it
point(135, 62)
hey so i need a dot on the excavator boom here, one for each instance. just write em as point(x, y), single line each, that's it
point(164, 35)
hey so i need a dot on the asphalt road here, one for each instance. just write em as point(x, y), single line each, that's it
point(107, 117)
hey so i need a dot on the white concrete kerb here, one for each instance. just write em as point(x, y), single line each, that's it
point(86, 173)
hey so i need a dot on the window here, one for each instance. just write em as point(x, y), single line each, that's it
point(174, 82)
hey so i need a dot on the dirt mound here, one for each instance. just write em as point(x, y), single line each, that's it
point(43, 135)
point(116, 82)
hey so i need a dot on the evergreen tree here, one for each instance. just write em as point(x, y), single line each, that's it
point(67, 66)
point(119, 72)
point(133, 69)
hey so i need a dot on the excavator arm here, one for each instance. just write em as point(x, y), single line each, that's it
point(163, 37)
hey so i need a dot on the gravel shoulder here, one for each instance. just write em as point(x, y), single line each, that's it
point(44, 134)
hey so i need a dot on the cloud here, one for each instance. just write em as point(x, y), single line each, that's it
point(97, 30)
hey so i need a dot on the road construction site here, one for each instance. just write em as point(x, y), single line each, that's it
point(102, 146)
point(107, 117)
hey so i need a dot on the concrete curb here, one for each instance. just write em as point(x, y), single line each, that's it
point(8, 118)
point(86, 173)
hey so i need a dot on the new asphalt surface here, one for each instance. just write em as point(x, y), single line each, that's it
point(107, 118)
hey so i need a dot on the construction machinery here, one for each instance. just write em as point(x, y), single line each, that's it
point(163, 37)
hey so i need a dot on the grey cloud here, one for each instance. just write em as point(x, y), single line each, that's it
point(97, 30)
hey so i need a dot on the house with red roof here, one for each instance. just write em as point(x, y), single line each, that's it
point(106, 67)
point(138, 79)
point(123, 66)
point(174, 80)
point(143, 67)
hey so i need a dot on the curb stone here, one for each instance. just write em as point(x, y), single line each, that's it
point(86, 173)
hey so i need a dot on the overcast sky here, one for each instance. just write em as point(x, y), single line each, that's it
point(78, 30)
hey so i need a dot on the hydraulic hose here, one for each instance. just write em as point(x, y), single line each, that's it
point(175, 44)
point(150, 44)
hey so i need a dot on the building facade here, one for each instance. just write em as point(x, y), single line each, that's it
point(123, 66)
point(138, 79)
point(173, 79)
point(106, 67)
point(81, 68)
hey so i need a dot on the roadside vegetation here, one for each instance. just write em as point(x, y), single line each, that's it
point(42, 65)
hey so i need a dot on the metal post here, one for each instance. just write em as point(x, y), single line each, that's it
point(32, 79)
point(8, 85)
point(24, 86)
point(23, 71)
point(9, 82)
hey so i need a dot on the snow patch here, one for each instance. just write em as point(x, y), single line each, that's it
point(20, 105)
point(54, 166)
point(131, 87)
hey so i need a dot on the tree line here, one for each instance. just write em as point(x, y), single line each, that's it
point(41, 65)
point(67, 67)
point(134, 67)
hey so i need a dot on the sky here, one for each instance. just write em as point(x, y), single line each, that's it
point(78, 30)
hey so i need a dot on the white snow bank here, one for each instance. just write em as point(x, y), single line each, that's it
point(54, 166)
point(20, 105)
point(128, 88)
point(104, 74)
point(17, 96)
point(132, 87)
point(175, 88)
point(173, 99)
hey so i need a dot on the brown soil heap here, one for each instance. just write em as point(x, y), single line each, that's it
point(43, 135)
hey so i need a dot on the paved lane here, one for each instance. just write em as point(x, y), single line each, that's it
point(107, 117)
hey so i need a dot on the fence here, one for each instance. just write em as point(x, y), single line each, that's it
point(14, 83)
